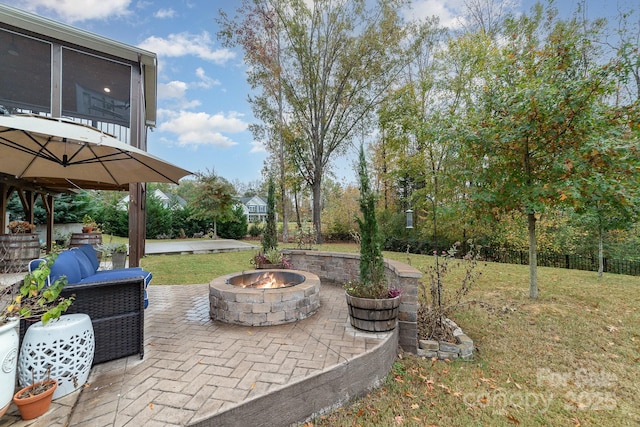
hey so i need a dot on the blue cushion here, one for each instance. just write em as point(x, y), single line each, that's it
point(122, 273)
point(86, 266)
point(66, 265)
point(91, 254)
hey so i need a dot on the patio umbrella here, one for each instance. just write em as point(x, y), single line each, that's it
point(58, 153)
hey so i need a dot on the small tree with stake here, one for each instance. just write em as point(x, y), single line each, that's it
point(372, 283)
point(270, 236)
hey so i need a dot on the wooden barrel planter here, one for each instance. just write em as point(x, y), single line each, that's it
point(93, 239)
point(16, 250)
point(373, 315)
point(79, 239)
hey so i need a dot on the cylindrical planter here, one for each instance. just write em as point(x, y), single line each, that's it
point(118, 260)
point(79, 239)
point(8, 360)
point(62, 350)
point(16, 250)
point(33, 406)
point(93, 239)
point(373, 315)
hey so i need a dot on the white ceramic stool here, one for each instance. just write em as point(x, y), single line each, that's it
point(65, 346)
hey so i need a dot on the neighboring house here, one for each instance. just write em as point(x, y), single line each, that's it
point(254, 208)
point(168, 200)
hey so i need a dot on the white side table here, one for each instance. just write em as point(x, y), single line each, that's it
point(65, 346)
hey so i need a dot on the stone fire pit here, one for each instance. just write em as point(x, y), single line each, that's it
point(243, 299)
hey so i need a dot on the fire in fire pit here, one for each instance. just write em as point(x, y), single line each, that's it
point(249, 298)
point(266, 280)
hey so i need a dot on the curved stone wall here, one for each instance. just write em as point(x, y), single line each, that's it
point(338, 267)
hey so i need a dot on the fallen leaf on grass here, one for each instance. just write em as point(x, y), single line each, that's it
point(445, 388)
point(415, 406)
point(576, 422)
point(612, 329)
point(399, 419)
point(513, 419)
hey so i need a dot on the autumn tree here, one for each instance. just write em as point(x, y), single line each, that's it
point(537, 109)
point(213, 199)
point(331, 61)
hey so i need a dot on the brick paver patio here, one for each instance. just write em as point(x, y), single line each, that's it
point(199, 372)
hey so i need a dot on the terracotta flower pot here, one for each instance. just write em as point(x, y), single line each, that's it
point(33, 406)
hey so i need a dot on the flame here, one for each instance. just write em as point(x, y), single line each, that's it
point(266, 281)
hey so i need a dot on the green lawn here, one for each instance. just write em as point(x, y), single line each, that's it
point(569, 358)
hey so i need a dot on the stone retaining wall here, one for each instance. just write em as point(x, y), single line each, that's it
point(445, 350)
point(340, 267)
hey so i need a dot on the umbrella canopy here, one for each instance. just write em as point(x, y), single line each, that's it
point(61, 154)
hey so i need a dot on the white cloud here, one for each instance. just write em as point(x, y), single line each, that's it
point(165, 13)
point(205, 81)
point(200, 128)
point(175, 92)
point(257, 147)
point(172, 90)
point(450, 12)
point(77, 10)
point(182, 44)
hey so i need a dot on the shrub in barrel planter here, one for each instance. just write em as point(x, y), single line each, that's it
point(373, 304)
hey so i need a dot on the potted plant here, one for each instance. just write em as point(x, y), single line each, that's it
point(373, 305)
point(35, 399)
point(17, 227)
point(32, 300)
point(271, 258)
point(118, 253)
point(89, 225)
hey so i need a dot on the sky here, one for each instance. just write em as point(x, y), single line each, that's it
point(203, 112)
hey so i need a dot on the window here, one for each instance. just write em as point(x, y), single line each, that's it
point(25, 73)
point(95, 88)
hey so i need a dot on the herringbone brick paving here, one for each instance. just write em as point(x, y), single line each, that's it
point(194, 368)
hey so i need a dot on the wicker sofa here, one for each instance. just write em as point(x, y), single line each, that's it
point(114, 300)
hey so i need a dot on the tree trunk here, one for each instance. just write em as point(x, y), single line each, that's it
point(285, 218)
point(533, 258)
point(600, 253)
point(317, 193)
point(295, 201)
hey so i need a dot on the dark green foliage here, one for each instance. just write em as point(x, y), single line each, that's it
point(236, 227)
point(270, 235)
point(159, 219)
point(113, 221)
point(183, 220)
point(255, 229)
point(371, 260)
point(67, 208)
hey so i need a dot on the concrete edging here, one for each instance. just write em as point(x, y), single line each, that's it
point(315, 395)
